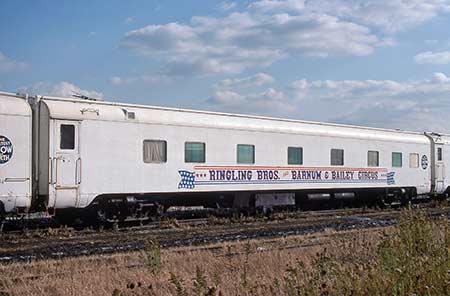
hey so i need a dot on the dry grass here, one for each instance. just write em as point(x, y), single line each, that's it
point(410, 260)
point(231, 267)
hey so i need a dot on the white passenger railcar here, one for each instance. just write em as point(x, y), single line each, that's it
point(118, 161)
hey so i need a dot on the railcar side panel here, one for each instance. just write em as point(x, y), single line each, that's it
point(112, 161)
point(105, 154)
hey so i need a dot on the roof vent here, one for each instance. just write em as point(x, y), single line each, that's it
point(129, 114)
point(83, 97)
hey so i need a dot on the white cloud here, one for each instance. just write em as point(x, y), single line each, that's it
point(376, 90)
point(390, 15)
point(146, 79)
point(278, 5)
point(239, 41)
point(8, 65)
point(261, 102)
point(419, 105)
point(411, 105)
point(225, 5)
point(440, 78)
point(258, 79)
point(59, 89)
point(429, 57)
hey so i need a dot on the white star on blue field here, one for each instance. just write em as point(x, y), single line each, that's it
point(382, 63)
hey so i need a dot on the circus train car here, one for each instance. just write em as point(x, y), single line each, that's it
point(78, 157)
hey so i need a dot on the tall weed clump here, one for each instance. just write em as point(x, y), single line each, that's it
point(153, 256)
point(413, 261)
point(417, 260)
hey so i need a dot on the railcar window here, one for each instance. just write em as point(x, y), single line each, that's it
point(413, 160)
point(155, 151)
point(373, 158)
point(439, 154)
point(245, 154)
point(194, 152)
point(295, 155)
point(397, 159)
point(67, 141)
point(337, 156)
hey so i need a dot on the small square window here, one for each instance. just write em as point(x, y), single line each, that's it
point(397, 159)
point(245, 154)
point(337, 156)
point(194, 152)
point(373, 158)
point(155, 151)
point(413, 160)
point(295, 155)
point(67, 141)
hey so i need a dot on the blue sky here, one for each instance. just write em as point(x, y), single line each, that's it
point(368, 62)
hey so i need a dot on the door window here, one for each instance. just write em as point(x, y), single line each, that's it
point(67, 141)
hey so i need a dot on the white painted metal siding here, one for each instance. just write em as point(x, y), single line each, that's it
point(111, 155)
point(15, 173)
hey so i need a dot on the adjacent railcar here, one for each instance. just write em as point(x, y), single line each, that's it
point(121, 161)
point(15, 155)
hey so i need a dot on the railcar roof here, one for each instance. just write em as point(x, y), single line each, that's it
point(79, 109)
point(176, 116)
point(11, 104)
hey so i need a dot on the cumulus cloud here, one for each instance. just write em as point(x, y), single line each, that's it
point(258, 79)
point(389, 15)
point(440, 78)
point(278, 5)
point(59, 89)
point(241, 40)
point(8, 65)
point(429, 57)
point(269, 30)
point(417, 104)
point(146, 79)
point(261, 102)
point(372, 91)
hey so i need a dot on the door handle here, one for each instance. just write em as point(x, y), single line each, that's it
point(50, 171)
point(53, 170)
point(78, 171)
point(56, 170)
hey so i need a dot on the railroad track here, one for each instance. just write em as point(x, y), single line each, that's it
point(198, 232)
point(271, 245)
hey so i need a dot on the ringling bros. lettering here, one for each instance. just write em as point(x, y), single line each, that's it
point(211, 175)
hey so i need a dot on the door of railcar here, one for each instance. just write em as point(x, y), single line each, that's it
point(66, 164)
point(440, 167)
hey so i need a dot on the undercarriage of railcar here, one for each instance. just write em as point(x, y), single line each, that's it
point(143, 207)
